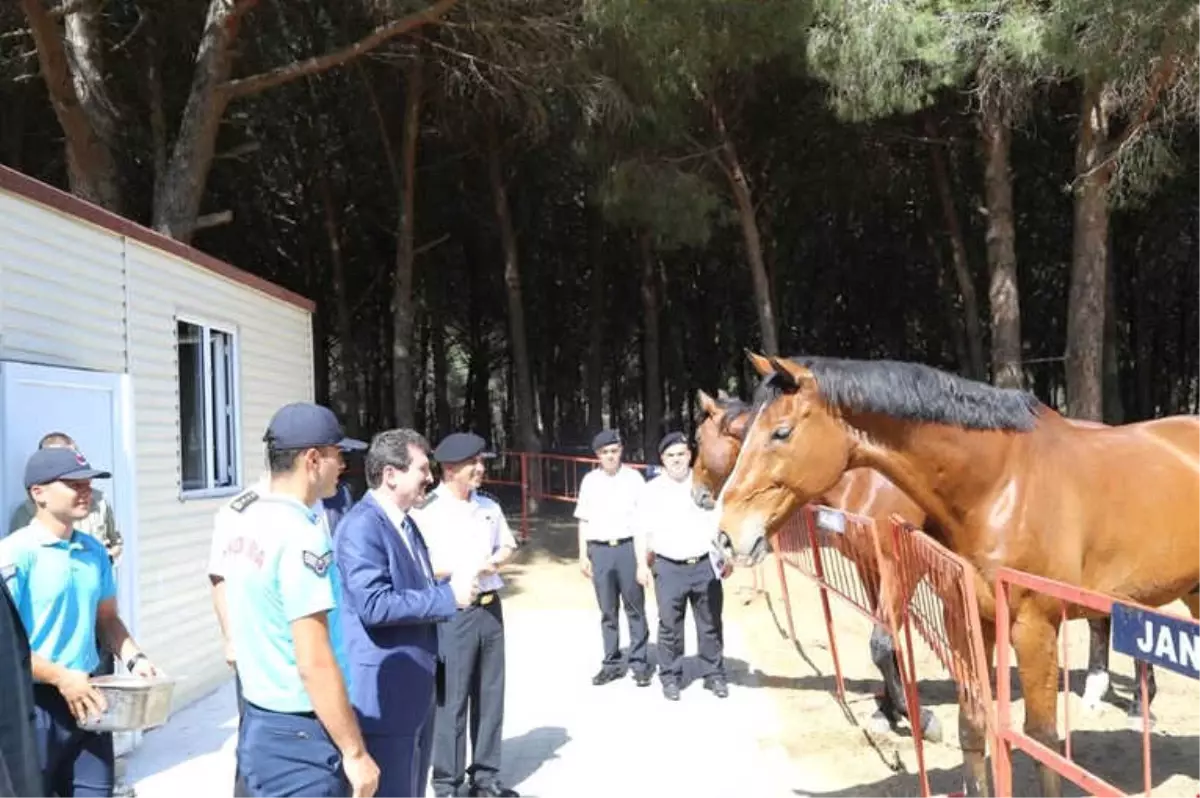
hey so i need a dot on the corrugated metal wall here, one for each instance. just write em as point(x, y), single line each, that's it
point(76, 295)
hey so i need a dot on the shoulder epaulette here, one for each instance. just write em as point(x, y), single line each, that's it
point(242, 501)
point(484, 494)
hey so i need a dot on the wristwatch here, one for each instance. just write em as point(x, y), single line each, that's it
point(129, 663)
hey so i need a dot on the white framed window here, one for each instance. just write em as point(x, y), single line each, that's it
point(210, 452)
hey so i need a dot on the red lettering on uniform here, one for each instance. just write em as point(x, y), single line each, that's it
point(249, 549)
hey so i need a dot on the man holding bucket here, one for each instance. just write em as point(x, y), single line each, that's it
point(61, 581)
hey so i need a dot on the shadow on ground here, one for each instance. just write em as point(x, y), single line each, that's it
point(526, 753)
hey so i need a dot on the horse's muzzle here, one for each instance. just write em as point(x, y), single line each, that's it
point(703, 498)
point(758, 550)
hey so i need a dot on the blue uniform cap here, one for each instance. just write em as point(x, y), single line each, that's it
point(304, 425)
point(669, 440)
point(50, 465)
point(605, 437)
point(459, 447)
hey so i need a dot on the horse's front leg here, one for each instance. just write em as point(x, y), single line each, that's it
point(972, 727)
point(1035, 639)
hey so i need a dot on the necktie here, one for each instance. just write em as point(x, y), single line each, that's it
point(410, 537)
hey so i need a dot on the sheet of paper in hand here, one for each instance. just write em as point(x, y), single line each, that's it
point(716, 558)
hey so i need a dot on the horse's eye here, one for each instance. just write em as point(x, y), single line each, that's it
point(781, 433)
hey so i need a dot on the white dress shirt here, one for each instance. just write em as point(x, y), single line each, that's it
point(464, 534)
point(674, 525)
point(609, 503)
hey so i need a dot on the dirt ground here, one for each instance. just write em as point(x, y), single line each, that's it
point(843, 757)
point(833, 750)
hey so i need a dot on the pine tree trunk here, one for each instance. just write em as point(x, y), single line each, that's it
point(403, 311)
point(596, 316)
point(1089, 263)
point(1004, 298)
point(527, 438)
point(958, 256)
point(651, 347)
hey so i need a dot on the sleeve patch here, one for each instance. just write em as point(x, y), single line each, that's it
point(319, 565)
point(240, 503)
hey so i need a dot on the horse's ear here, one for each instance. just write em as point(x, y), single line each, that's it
point(761, 364)
point(707, 404)
point(723, 395)
point(799, 376)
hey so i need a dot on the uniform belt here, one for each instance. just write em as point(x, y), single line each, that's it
point(485, 598)
point(688, 561)
point(613, 542)
point(309, 715)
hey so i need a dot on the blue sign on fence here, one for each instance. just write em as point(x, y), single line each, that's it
point(1162, 640)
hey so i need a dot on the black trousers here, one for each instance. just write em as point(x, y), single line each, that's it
point(472, 648)
point(678, 584)
point(239, 781)
point(614, 575)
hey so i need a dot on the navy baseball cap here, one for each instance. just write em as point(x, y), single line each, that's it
point(50, 465)
point(304, 425)
point(459, 447)
point(669, 440)
point(606, 437)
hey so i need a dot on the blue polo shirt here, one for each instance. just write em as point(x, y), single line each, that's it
point(278, 564)
point(57, 586)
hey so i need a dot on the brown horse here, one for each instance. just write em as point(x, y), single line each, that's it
point(866, 492)
point(862, 492)
point(1007, 480)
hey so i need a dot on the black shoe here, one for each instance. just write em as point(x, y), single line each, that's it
point(642, 678)
point(607, 675)
point(717, 687)
point(494, 790)
point(671, 691)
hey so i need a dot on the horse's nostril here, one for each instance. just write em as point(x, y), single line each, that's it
point(758, 552)
point(723, 541)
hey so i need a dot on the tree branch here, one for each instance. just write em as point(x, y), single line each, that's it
point(1159, 79)
point(243, 87)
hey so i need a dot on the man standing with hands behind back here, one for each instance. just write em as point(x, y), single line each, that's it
point(612, 553)
point(392, 603)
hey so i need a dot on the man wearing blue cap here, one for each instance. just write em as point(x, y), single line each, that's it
point(612, 553)
point(299, 735)
point(393, 602)
point(466, 531)
point(687, 570)
point(61, 581)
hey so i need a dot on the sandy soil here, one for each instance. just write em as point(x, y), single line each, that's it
point(840, 756)
point(830, 745)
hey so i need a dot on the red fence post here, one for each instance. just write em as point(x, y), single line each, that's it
point(1003, 753)
point(810, 521)
point(783, 587)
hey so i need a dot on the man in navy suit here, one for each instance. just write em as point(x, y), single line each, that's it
point(391, 603)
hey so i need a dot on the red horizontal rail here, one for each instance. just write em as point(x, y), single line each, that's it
point(1059, 590)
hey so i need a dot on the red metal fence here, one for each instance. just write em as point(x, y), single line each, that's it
point(900, 580)
point(1008, 737)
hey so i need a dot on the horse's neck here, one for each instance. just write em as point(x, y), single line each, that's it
point(943, 469)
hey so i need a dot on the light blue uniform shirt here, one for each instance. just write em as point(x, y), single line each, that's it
point(278, 567)
point(57, 586)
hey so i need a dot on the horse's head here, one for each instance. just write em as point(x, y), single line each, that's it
point(794, 450)
point(718, 441)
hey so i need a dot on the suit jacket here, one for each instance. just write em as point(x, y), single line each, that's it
point(20, 771)
point(389, 612)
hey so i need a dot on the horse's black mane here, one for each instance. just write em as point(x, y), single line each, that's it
point(911, 391)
